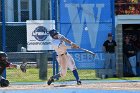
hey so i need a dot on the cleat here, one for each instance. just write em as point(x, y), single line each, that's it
point(50, 81)
point(79, 82)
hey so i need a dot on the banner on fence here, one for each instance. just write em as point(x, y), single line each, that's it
point(38, 37)
point(87, 61)
point(86, 22)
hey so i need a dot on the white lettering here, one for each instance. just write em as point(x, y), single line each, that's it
point(81, 13)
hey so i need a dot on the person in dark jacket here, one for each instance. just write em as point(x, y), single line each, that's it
point(130, 52)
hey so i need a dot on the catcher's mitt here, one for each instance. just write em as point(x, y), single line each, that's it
point(23, 67)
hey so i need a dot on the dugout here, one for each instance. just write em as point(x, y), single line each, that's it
point(132, 31)
point(125, 25)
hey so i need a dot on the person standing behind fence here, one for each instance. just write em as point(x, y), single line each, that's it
point(130, 51)
point(64, 59)
point(109, 49)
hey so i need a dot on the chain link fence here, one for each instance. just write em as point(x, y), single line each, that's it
point(87, 23)
point(17, 12)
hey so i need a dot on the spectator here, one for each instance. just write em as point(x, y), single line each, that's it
point(138, 52)
point(119, 9)
point(127, 7)
point(109, 49)
point(130, 52)
point(134, 1)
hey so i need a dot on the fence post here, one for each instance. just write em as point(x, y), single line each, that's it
point(43, 66)
point(3, 32)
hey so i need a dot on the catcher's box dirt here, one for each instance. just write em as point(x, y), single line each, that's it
point(103, 86)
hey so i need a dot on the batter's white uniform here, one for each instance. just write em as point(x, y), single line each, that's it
point(64, 59)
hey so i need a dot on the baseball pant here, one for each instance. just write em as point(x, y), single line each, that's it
point(65, 61)
point(132, 61)
point(110, 62)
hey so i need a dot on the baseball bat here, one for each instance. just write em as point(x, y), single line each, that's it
point(90, 52)
point(85, 50)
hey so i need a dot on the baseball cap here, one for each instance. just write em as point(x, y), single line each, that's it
point(110, 34)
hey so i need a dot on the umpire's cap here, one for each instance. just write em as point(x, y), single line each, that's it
point(53, 32)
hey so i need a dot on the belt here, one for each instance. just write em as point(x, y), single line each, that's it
point(62, 54)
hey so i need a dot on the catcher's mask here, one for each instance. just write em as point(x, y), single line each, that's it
point(53, 33)
point(3, 56)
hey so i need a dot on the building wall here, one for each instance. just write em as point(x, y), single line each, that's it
point(38, 9)
point(9, 10)
point(16, 32)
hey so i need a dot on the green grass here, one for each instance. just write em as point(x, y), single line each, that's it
point(124, 78)
point(32, 75)
point(15, 75)
point(83, 74)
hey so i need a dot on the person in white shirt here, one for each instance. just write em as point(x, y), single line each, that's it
point(64, 59)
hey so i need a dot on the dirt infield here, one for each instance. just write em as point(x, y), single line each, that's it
point(96, 85)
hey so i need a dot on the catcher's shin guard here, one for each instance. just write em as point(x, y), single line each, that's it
point(4, 83)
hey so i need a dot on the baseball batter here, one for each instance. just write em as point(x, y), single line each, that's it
point(64, 59)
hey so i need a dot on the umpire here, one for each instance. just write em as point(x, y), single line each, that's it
point(109, 49)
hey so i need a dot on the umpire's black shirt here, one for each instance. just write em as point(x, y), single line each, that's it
point(110, 46)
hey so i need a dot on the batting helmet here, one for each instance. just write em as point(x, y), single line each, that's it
point(53, 33)
point(3, 56)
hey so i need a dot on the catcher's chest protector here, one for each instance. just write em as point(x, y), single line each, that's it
point(2, 67)
point(3, 61)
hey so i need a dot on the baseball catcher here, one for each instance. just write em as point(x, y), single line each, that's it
point(3, 64)
point(64, 59)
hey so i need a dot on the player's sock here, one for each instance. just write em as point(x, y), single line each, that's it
point(56, 76)
point(75, 73)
